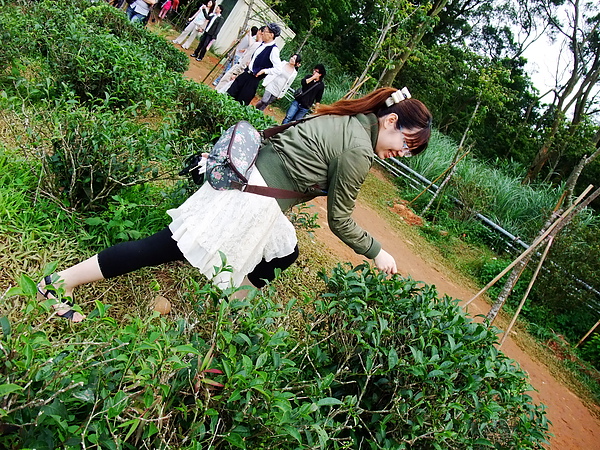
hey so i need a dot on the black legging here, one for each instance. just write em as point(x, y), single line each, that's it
point(161, 248)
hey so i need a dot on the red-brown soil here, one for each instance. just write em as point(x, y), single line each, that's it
point(573, 424)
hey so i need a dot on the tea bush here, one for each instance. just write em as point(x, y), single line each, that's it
point(114, 21)
point(101, 385)
point(372, 363)
point(425, 375)
point(16, 40)
point(202, 108)
point(97, 152)
point(92, 51)
point(98, 66)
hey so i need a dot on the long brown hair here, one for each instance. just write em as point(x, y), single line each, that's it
point(411, 113)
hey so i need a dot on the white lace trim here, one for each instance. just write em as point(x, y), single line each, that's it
point(244, 227)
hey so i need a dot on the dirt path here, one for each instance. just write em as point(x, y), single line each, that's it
point(573, 425)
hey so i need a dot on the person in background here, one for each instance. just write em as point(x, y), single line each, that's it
point(311, 92)
point(278, 80)
point(243, 46)
point(265, 56)
point(196, 25)
point(117, 3)
point(215, 22)
point(139, 10)
point(226, 80)
point(330, 154)
point(168, 5)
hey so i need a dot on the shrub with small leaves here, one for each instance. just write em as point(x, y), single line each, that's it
point(93, 51)
point(375, 362)
point(139, 386)
point(421, 373)
point(202, 108)
point(97, 152)
point(114, 21)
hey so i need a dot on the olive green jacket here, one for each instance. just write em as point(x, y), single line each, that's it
point(334, 154)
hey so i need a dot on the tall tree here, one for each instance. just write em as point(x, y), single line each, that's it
point(399, 52)
point(392, 14)
point(348, 27)
point(580, 32)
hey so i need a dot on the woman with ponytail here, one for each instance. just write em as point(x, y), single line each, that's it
point(328, 154)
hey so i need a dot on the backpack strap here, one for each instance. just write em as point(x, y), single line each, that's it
point(276, 192)
point(302, 93)
point(268, 133)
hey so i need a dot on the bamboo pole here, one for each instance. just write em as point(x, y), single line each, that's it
point(529, 287)
point(354, 89)
point(228, 53)
point(533, 246)
point(558, 228)
point(587, 334)
point(440, 176)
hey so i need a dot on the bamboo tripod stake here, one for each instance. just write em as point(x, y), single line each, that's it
point(587, 334)
point(533, 246)
point(531, 283)
point(231, 49)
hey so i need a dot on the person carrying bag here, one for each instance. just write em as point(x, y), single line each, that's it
point(249, 233)
point(310, 92)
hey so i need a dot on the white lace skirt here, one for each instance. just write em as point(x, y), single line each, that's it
point(244, 227)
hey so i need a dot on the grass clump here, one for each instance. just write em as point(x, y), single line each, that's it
point(519, 209)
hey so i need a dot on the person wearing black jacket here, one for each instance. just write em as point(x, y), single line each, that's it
point(311, 92)
point(215, 22)
point(266, 56)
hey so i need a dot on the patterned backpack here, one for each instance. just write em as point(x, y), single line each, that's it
point(232, 158)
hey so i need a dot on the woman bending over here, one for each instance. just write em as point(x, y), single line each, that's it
point(329, 154)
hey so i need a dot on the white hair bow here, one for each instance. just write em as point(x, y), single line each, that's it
point(398, 96)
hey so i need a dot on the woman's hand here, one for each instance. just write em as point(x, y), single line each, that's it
point(385, 262)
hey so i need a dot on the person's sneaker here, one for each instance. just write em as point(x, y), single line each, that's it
point(193, 55)
point(198, 59)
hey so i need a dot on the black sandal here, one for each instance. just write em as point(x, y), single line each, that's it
point(46, 294)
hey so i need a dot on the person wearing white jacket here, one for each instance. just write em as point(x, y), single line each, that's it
point(197, 24)
point(278, 80)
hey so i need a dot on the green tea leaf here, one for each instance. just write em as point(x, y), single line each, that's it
point(5, 324)
point(28, 286)
point(293, 432)
point(9, 388)
point(186, 348)
point(94, 221)
point(329, 401)
point(392, 358)
point(236, 440)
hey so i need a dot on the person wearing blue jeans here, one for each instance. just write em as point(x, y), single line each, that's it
point(312, 92)
point(139, 10)
point(295, 112)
